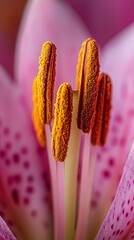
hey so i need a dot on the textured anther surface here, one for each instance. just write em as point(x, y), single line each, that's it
point(45, 81)
point(87, 84)
point(107, 110)
point(62, 122)
point(103, 107)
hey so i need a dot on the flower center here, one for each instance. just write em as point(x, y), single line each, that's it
point(86, 109)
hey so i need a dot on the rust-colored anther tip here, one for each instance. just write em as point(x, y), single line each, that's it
point(87, 84)
point(62, 122)
point(45, 81)
point(107, 111)
point(38, 126)
point(103, 107)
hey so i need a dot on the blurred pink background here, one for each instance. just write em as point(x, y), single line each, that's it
point(103, 18)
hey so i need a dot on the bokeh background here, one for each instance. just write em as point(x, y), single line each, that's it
point(103, 18)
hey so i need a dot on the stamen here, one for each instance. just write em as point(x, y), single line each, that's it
point(107, 108)
point(96, 130)
point(45, 81)
point(87, 84)
point(62, 122)
point(101, 124)
point(39, 128)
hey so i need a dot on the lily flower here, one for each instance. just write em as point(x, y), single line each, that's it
point(25, 199)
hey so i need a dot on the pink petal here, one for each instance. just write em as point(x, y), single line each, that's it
point(104, 18)
point(5, 233)
point(118, 61)
point(25, 201)
point(130, 236)
point(120, 218)
point(54, 21)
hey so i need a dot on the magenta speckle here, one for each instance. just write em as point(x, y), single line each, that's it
point(2, 154)
point(30, 189)
point(15, 196)
point(117, 232)
point(118, 218)
point(122, 142)
point(106, 173)
point(93, 204)
point(26, 164)
point(112, 226)
point(6, 131)
point(131, 209)
point(97, 194)
point(126, 215)
point(128, 223)
point(24, 150)
point(30, 178)
point(26, 201)
point(111, 162)
point(17, 178)
point(8, 145)
point(118, 118)
point(16, 158)
point(7, 162)
point(121, 232)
